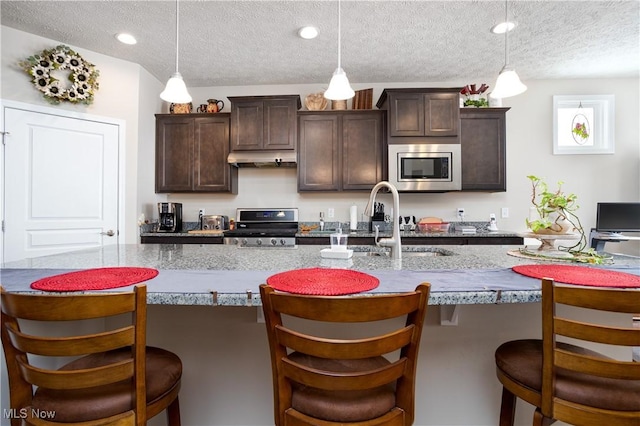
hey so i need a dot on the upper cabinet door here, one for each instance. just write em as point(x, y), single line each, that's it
point(483, 140)
point(280, 125)
point(174, 154)
point(441, 114)
point(406, 114)
point(319, 153)
point(211, 172)
point(247, 125)
point(362, 150)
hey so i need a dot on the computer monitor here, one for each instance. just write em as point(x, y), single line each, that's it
point(618, 217)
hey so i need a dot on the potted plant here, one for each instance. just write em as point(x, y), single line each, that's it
point(555, 209)
point(556, 215)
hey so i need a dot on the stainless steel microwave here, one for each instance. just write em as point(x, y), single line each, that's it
point(425, 167)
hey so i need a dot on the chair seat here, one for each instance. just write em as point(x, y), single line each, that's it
point(90, 404)
point(342, 406)
point(521, 360)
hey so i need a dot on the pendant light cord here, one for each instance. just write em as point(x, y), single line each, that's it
point(177, 33)
point(506, 37)
point(339, 38)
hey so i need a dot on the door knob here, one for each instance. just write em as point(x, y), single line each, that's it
point(109, 233)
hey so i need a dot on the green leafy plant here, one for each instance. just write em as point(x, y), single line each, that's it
point(552, 207)
point(581, 130)
point(480, 102)
point(555, 208)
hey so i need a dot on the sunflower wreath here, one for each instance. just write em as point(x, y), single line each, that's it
point(83, 75)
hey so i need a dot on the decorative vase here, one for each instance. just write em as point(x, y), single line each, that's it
point(181, 108)
point(339, 105)
point(315, 102)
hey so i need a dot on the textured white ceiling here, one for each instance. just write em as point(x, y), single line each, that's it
point(255, 42)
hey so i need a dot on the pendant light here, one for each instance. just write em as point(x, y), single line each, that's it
point(339, 87)
point(508, 83)
point(176, 90)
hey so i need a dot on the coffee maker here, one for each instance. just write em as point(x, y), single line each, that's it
point(170, 217)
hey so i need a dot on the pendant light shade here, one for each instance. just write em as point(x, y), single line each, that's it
point(508, 83)
point(176, 90)
point(339, 87)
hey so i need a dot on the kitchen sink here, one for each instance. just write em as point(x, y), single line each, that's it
point(414, 252)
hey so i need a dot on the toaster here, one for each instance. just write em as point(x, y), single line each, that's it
point(216, 222)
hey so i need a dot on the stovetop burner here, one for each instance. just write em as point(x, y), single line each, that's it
point(264, 228)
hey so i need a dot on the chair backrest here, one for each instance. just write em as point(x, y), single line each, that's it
point(400, 344)
point(20, 347)
point(564, 322)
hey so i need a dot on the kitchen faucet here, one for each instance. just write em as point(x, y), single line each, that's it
point(394, 241)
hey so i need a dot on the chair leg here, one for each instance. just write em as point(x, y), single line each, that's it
point(507, 408)
point(173, 413)
point(540, 420)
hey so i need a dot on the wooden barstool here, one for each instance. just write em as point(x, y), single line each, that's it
point(324, 380)
point(567, 381)
point(116, 379)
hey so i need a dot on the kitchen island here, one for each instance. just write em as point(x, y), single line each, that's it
point(229, 276)
point(205, 310)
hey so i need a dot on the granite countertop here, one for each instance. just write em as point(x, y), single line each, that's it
point(192, 274)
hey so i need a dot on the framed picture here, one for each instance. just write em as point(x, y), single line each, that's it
point(583, 124)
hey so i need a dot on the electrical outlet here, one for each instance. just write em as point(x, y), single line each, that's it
point(504, 212)
point(201, 213)
point(331, 212)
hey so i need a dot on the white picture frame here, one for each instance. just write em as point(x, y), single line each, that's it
point(583, 124)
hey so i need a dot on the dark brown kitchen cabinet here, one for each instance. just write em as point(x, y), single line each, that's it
point(191, 154)
point(483, 143)
point(340, 150)
point(264, 123)
point(423, 112)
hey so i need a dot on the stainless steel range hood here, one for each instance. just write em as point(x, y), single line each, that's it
point(262, 159)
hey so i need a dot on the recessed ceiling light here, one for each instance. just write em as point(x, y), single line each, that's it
point(503, 27)
point(308, 33)
point(126, 38)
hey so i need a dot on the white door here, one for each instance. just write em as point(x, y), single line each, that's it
point(60, 184)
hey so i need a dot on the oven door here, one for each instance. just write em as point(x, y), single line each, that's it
point(425, 167)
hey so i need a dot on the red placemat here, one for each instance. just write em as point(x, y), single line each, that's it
point(95, 279)
point(323, 281)
point(580, 275)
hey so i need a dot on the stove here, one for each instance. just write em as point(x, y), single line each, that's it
point(268, 228)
